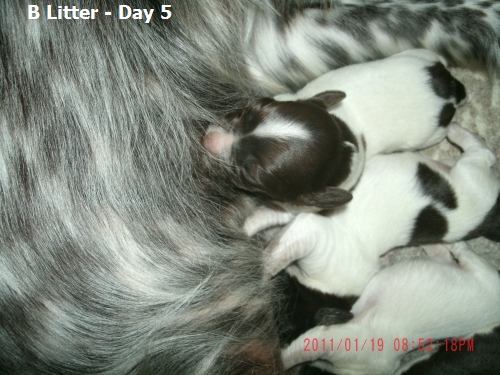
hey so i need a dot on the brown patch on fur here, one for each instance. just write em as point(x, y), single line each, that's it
point(264, 359)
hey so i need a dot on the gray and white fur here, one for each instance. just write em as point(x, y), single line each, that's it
point(114, 257)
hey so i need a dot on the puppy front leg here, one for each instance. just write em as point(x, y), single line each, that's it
point(264, 218)
point(343, 349)
point(301, 349)
point(439, 251)
point(476, 187)
point(472, 263)
point(296, 240)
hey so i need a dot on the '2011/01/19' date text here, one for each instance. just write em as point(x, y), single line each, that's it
point(403, 344)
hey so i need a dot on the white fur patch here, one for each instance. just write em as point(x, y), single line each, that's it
point(278, 128)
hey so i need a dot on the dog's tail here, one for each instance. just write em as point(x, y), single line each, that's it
point(465, 33)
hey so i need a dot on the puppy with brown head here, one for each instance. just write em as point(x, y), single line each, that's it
point(291, 151)
point(303, 148)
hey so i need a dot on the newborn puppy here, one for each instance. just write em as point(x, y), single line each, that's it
point(288, 151)
point(414, 302)
point(401, 199)
point(295, 147)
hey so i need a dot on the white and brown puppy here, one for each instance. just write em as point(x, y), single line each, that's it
point(401, 199)
point(408, 305)
point(296, 147)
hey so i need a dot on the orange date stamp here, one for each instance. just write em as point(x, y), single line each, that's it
point(398, 344)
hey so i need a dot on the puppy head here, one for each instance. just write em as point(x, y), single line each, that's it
point(286, 151)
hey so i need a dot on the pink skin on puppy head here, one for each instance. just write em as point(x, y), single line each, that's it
point(218, 141)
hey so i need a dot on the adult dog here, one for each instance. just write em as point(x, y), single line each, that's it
point(118, 249)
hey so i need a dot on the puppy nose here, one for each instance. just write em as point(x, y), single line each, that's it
point(218, 141)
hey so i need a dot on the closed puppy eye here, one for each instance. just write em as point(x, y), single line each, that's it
point(248, 122)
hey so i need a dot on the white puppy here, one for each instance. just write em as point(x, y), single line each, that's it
point(303, 148)
point(406, 306)
point(401, 199)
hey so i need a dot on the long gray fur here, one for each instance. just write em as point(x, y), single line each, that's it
point(119, 249)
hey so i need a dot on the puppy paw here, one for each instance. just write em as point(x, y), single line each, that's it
point(470, 142)
point(439, 251)
point(295, 241)
point(264, 218)
point(457, 134)
point(327, 316)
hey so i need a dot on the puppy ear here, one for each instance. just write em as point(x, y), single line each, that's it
point(254, 178)
point(328, 99)
point(328, 198)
